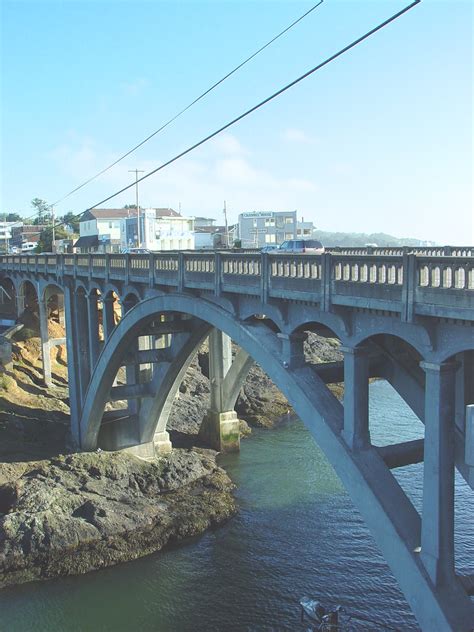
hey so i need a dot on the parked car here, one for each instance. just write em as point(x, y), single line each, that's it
point(301, 246)
point(135, 251)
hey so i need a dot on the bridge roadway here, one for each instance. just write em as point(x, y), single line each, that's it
point(406, 317)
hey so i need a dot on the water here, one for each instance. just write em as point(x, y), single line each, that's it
point(296, 534)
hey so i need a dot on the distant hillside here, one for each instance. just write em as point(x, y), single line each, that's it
point(361, 239)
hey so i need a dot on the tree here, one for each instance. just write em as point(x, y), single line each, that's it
point(45, 243)
point(71, 220)
point(43, 211)
point(13, 217)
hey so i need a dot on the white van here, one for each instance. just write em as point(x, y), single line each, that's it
point(28, 245)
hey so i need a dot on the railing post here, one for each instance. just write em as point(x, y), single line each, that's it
point(326, 275)
point(107, 267)
point(151, 269)
point(181, 264)
point(217, 273)
point(127, 268)
point(409, 287)
point(265, 278)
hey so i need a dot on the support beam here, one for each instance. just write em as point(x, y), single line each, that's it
point(45, 346)
point(401, 454)
point(130, 391)
point(437, 533)
point(356, 398)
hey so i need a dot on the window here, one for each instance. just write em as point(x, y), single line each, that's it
point(299, 231)
point(270, 239)
point(306, 231)
point(111, 224)
point(270, 222)
point(288, 220)
point(288, 235)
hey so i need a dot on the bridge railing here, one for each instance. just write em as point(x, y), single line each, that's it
point(407, 284)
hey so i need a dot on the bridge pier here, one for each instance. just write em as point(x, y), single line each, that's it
point(45, 345)
point(437, 532)
point(356, 397)
point(220, 428)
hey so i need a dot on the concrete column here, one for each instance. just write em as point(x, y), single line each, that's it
point(220, 428)
point(108, 316)
point(20, 305)
point(93, 319)
point(356, 398)
point(437, 532)
point(73, 366)
point(61, 312)
point(132, 371)
point(45, 346)
point(292, 350)
point(82, 341)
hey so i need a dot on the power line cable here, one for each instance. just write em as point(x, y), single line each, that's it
point(264, 102)
point(259, 105)
point(201, 96)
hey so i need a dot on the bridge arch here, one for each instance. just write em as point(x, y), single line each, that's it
point(389, 513)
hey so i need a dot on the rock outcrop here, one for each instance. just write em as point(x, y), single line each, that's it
point(75, 513)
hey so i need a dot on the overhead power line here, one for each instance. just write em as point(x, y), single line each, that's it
point(190, 105)
point(264, 102)
point(259, 105)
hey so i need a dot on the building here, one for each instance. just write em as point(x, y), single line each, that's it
point(266, 228)
point(160, 229)
point(305, 230)
point(100, 229)
point(22, 234)
point(204, 222)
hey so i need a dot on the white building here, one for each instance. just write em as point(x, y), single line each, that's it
point(100, 230)
point(161, 229)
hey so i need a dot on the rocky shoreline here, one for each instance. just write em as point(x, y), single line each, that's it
point(77, 513)
point(63, 514)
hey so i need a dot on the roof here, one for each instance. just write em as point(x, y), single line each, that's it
point(87, 241)
point(109, 213)
point(166, 212)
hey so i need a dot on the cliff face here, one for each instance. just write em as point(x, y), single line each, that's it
point(77, 513)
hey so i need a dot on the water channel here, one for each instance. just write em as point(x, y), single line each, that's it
point(297, 533)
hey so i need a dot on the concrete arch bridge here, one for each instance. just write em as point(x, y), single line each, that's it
point(408, 318)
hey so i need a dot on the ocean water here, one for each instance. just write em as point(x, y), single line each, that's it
point(296, 533)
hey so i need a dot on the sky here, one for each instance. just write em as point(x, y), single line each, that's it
point(380, 140)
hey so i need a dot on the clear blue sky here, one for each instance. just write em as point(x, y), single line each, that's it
point(380, 140)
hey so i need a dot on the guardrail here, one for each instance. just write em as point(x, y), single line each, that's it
point(406, 284)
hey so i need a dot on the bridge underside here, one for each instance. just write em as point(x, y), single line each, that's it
point(125, 373)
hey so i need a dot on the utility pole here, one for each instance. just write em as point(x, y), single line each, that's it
point(226, 226)
point(136, 172)
point(54, 233)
